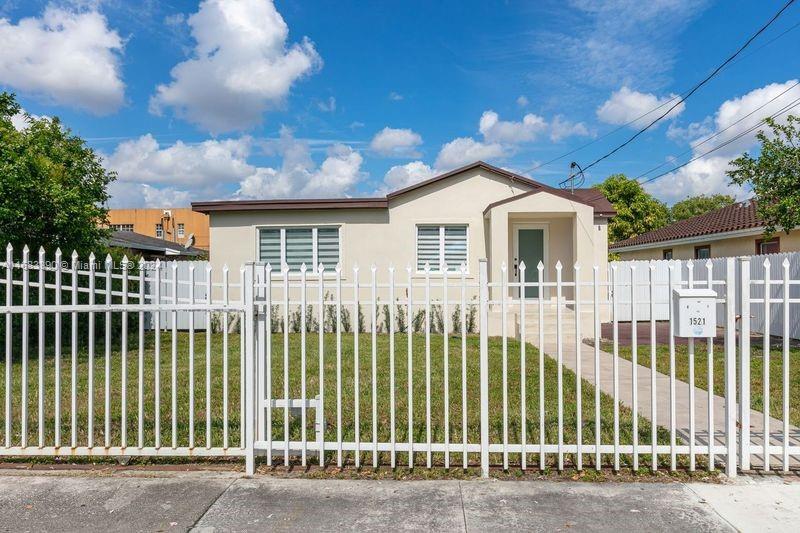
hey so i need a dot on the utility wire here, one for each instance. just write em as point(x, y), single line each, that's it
point(736, 137)
point(695, 88)
point(788, 107)
point(650, 111)
point(720, 132)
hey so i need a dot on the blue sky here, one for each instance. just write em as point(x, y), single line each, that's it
point(192, 100)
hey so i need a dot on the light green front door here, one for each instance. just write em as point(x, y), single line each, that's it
point(530, 247)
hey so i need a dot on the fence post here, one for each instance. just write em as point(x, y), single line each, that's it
point(249, 369)
point(730, 366)
point(744, 366)
point(483, 284)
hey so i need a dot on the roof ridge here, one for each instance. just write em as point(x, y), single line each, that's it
point(736, 216)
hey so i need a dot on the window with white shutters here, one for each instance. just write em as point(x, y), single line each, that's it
point(294, 246)
point(441, 244)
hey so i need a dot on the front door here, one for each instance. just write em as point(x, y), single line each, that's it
point(530, 249)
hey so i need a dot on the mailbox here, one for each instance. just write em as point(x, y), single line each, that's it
point(694, 312)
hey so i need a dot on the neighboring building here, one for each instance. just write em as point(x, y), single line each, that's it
point(152, 248)
point(730, 231)
point(478, 211)
point(172, 224)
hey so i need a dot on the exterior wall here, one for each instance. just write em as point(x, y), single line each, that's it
point(386, 237)
point(382, 237)
point(144, 222)
point(725, 247)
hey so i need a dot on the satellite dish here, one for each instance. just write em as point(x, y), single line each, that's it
point(189, 241)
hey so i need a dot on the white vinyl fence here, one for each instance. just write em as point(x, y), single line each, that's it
point(373, 367)
point(759, 266)
point(184, 272)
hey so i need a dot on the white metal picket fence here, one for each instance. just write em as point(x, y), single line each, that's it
point(760, 267)
point(391, 367)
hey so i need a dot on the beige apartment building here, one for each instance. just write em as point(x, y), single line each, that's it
point(177, 225)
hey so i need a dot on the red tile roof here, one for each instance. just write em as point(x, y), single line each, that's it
point(740, 216)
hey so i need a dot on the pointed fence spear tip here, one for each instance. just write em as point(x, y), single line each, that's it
point(9, 247)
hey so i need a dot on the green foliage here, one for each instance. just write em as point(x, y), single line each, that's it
point(637, 211)
point(402, 324)
point(52, 186)
point(774, 176)
point(699, 205)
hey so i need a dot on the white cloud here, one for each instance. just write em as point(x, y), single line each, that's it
point(327, 106)
point(396, 142)
point(242, 66)
point(152, 175)
point(704, 176)
point(464, 150)
point(20, 122)
point(126, 194)
point(64, 57)
point(395, 97)
point(626, 105)
point(508, 132)
point(401, 176)
point(300, 177)
point(707, 175)
point(561, 128)
point(207, 163)
point(522, 101)
point(504, 131)
point(610, 43)
point(692, 131)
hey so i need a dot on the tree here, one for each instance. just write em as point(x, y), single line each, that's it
point(699, 205)
point(774, 176)
point(52, 186)
point(637, 211)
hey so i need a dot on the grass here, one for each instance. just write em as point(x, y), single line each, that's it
point(439, 405)
point(682, 366)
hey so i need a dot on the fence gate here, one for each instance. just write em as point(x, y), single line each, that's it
point(407, 367)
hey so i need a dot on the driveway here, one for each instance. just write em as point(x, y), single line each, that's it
point(207, 501)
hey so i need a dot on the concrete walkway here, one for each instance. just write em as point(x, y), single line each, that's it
point(683, 410)
point(204, 501)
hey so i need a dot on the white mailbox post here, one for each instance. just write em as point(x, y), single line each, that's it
point(694, 312)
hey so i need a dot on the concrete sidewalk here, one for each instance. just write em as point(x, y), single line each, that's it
point(207, 501)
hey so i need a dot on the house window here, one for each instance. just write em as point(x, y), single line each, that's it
point(181, 230)
point(122, 227)
point(702, 252)
point(439, 245)
point(294, 246)
point(768, 246)
point(667, 254)
point(160, 230)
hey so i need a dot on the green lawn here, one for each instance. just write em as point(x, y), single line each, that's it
point(438, 401)
point(756, 372)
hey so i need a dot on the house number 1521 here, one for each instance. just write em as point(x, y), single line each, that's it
point(697, 321)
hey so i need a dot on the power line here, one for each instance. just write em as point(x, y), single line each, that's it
point(788, 107)
point(650, 111)
point(695, 88)
point(720, 132)
point(736, 137)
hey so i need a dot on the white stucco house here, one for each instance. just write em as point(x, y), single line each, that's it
point(477, 211)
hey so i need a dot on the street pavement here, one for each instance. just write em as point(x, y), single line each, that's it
point(226, 501)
